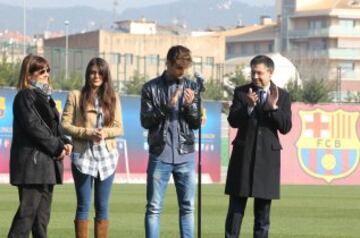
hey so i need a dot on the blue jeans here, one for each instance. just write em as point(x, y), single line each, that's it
point(158, 176)
point(83, 187)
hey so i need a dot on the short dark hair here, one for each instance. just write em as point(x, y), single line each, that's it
point(180, 55)
point(263, 59)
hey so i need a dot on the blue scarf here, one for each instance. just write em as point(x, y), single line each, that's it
point(44, 87)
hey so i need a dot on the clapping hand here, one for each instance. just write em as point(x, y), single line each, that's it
point(251, 98)
point(189, 96)
point(273, 98)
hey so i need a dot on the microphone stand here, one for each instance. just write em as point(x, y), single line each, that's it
point(200, 89)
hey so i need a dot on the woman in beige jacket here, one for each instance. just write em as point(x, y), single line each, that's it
point(92, 118)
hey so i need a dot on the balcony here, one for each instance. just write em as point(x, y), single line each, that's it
point(333, 31)
point(332, 54)
point(344, 54)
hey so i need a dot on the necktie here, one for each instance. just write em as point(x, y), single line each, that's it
point(262, 97)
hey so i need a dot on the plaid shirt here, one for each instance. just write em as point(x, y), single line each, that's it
point(96, 159)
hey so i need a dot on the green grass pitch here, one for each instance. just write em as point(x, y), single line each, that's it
point(302, 212)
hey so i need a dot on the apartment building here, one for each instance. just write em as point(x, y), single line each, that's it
point(321, 36)
point(324, 33)
point(244, 41)
point(131, 49)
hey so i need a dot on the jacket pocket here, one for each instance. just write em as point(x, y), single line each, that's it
point(189, 139)
point(35, 156)
point(155, 138)
point(39, 156)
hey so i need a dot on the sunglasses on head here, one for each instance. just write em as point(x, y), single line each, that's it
point(42, 71)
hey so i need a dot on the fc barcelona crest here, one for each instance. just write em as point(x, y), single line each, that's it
point(328, 146)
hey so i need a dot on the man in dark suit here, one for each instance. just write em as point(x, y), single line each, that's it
point(259, 110)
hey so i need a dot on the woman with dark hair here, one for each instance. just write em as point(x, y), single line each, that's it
point(92, 118)
point(37, 150)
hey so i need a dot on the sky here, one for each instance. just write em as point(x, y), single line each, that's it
point(107, 4)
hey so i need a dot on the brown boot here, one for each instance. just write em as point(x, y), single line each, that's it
point(101, 228)
point(81, 228)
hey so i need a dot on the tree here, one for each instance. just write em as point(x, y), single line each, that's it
point(214, 90)
point(75, 81)
point(233, 80)
point(295, 90)
point(317, 90)
point(9, 73)
point(317, 81)
point(311, 91)
point(134, 85)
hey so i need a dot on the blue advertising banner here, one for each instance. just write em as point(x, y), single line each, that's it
point(133, 147)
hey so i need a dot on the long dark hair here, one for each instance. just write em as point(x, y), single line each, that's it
point(106, 94)
point(30, 64)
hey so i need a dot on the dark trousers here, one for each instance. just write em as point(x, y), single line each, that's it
point(236, 213)
point(33, 213)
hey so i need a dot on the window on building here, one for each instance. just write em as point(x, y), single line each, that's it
point(347, 66)
point(56, 57)
point(324, 44)
point(209, 60)
point(197, 63)
point(271, 47)
point(317, 24)
point(257, 48)
point(78, 58)
point(152, 59)
point(197, 59)
point(114, 58)
point(347, 23)
point(347, 69)
point(129, 58)
point(230, 49)
point(320, 44)
point(244, 50)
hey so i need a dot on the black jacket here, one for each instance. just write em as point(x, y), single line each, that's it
point(155, 116)
point(37, 140)
point(254, 168)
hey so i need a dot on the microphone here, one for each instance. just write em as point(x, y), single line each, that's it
point(199, 82)
point(255, 88)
